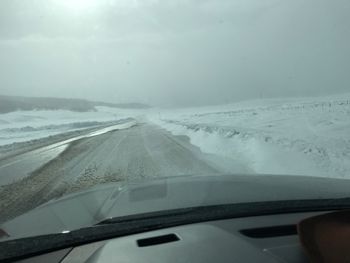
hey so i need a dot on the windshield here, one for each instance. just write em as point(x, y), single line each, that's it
point(116, 107)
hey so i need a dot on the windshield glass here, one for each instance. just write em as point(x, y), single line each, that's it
point(117, 107)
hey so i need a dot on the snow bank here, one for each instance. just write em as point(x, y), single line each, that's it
point(309, 136)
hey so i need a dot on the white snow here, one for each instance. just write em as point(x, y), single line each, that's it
point(304, 136)
point(23, 126)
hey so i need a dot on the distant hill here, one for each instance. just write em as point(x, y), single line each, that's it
point(14, 103)
point(11, 103)
point(123, 105)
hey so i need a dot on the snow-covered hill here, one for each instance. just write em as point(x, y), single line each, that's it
point(308, 136)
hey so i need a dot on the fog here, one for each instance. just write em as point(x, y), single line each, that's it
point(174, 53)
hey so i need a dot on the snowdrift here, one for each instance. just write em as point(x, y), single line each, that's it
point(309, 136)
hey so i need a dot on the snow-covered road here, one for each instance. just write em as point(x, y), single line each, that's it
point(28, 161)
point(143, 150)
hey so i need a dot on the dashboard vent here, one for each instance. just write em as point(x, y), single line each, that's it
point(158, 240)
point(272, 231)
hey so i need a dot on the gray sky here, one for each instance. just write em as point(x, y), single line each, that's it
point(174, 52)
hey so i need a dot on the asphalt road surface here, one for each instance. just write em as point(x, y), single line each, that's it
point(142, 151)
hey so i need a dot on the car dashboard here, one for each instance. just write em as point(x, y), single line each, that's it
point(271, 238)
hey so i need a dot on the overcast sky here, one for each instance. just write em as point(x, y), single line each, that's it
point(174, 52)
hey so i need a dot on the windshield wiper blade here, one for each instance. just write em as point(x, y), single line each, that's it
point(122, 226)
point(226, 211)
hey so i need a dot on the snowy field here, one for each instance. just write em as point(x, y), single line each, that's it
point(21, 126)
point(309, 136)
